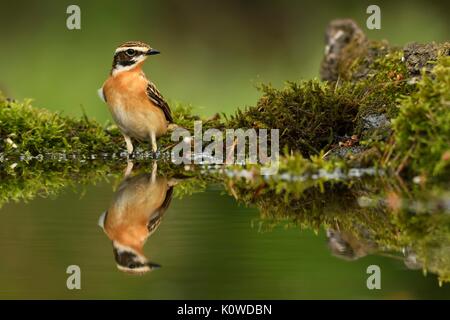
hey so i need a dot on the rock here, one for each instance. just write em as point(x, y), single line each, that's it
point(376, 121)
point(418, 56)
point(343, 39)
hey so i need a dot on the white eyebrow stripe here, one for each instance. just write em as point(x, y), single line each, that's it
point(142, 269)
point(142, 49)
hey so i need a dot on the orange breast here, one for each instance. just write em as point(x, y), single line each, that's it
point(132, 208)
point(132, 110)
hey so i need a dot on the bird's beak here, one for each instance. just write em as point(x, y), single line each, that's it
point(152, 52)
point(153, 266)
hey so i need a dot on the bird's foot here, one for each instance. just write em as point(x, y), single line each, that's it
point(154, 171)
point(155, 151)
point(172, 127)
point(129, 168)
point(129, 146)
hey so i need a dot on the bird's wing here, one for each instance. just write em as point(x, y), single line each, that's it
point(102, 219)
point(155, 96)
point(156, 217)
point(101, 94)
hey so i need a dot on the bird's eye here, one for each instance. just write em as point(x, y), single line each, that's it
point(131, 52)
point(132, 266)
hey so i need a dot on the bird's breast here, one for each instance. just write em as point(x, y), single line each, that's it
point(132, 110)
point(133, 207)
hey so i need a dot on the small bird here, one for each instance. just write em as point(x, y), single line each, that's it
point(135, 213)
point(137, 107)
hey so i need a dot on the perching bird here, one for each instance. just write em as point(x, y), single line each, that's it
point(134, 214)
point(137, 107)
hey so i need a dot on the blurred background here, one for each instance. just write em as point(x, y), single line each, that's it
point(213, 54)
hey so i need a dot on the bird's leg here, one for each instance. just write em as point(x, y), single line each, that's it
point(153, 139)
point(129, 144)
point(128, 169)
point(154, 171)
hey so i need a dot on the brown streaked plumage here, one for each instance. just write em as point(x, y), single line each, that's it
point(136, 105)
point(135, 213)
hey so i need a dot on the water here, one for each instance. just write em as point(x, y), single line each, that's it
point(208, 245)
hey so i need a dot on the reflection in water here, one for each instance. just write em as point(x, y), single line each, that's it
point(347, 246)
point(361, 217)
point(135, 213)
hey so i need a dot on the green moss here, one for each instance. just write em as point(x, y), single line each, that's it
point(422, 129)
point(31, 130)
point(384, 83)
point(312, 116)
point(26, 128)
point(309, 114)
point(357, 59)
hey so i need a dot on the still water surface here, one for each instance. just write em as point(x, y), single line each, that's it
point(208, 246)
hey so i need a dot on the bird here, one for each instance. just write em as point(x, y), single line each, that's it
point(134, 214)
point(136, 105)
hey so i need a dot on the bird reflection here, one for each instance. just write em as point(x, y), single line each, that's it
point(135, 213)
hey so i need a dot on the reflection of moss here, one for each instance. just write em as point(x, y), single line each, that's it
point(24, 184)
point(430, 236)
point(368, 211)
point(49, 178)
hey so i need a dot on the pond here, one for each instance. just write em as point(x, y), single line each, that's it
point(146, 236)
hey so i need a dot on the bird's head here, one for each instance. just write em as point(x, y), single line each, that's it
point(130, 261)
point(131, 54)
